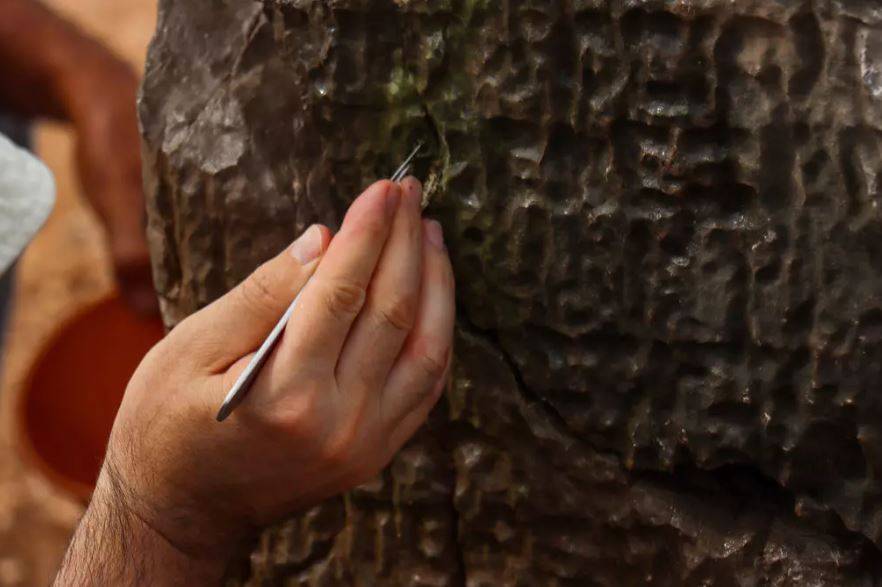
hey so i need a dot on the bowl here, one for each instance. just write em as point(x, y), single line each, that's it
point(74, 389)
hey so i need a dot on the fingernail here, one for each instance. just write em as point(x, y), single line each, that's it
point(308, 247)
point(435, 234)
point(393, 197)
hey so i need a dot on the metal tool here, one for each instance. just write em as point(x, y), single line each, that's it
point(246, 379)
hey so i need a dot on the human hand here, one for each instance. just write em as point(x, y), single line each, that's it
point(108, 155)
point(362, 362)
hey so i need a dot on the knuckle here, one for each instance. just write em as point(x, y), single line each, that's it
point(432, 358)
point(294, 417)
point(344, 300)
point(257, 292)
point(335, 456)
point(339, 451)
point(399, 313)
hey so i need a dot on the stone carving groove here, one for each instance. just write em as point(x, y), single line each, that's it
point(664, 219)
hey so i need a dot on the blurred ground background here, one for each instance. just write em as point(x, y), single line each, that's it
point(65, 268)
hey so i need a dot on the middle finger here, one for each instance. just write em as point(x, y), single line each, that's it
point(333, 299)
point(391, 306)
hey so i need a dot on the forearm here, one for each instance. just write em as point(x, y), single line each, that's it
point(114, 546)
point(53, 70)
point(46, 62)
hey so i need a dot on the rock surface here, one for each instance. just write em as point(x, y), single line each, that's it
point(664, 219)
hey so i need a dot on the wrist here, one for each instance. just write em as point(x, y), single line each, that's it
point(97, 86)
point(190, 529)
point(116, 544)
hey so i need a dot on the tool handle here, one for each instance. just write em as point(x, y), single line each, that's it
point(246, 379)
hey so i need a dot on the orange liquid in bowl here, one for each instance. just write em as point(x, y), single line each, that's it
point(75, 388)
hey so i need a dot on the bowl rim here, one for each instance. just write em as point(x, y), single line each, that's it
point(24, 445)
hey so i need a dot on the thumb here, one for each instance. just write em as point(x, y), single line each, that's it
point(236, 324)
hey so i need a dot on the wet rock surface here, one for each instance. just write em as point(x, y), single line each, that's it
point(664, 221)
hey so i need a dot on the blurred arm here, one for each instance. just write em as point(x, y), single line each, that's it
point(50, 69)
point(47, 63)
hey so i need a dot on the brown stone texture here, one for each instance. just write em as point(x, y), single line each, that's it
point(664, 220)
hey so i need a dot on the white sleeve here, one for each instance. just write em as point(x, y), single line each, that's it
point(27, 194)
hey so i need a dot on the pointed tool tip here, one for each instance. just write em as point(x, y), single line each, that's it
point(223, 413)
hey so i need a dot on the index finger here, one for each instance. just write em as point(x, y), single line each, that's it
point(332, 300)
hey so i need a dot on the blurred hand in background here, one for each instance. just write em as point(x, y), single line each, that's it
point(52, 70)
